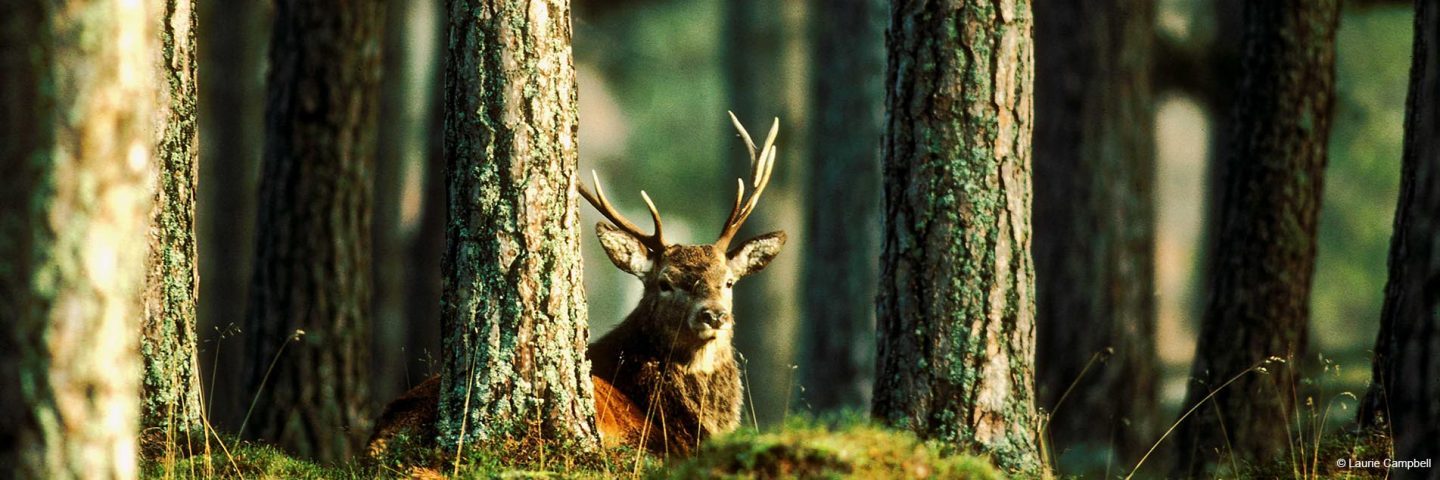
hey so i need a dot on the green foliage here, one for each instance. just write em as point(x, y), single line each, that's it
point(1362, 180)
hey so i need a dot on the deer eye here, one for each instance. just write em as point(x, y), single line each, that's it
point(665, 286)
point(730, 284)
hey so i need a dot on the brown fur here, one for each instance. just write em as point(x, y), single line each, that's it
point(414, 413)
point(681, 407)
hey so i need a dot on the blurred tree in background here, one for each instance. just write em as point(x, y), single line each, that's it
point(312, 255)
point(1404, 398)
point(956, 312)
point(842, 203)
point(1265, 247)
point(231, 105)
point(76, 116)
point(760, 85)
point(1094, 230)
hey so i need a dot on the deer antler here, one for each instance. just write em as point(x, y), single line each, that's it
point(655, 241)
point(762, 163)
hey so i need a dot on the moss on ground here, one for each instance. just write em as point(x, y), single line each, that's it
point(808, 450)
point(853, 449)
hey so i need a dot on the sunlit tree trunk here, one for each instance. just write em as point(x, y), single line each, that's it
point(74, 206)
point(1095, 230)
point(422, 271)
point(513, 307)
point(402, 151)
point(171, 408)
point(843, 203)
point(312, 269)
point(956, 306)
point(1261, 274)
point(1404, 398)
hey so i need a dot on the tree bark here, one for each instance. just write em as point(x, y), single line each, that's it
point(1261, 274)
point(1404, 396)
point(1095, 230)
point(312, 271)
point(843, 203)
point(232, 48)
point(756, 82)
point(956, 312)
point(171, 407)
point(513, 305)
point(74, 198)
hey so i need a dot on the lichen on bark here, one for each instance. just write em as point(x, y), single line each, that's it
point(956, 308)
point(171, 408)
point(513, 306)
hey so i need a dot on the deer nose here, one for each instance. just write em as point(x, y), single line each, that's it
point(715, 318)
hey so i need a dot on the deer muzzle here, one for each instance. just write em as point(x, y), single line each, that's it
point(708, 321)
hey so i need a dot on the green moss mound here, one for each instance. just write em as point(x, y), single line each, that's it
point(245, 460)
point(817, 451)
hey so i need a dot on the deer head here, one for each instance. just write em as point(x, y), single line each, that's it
point(687, 298)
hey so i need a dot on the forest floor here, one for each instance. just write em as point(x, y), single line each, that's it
point(799, 450)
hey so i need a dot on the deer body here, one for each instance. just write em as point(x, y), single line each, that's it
point(665, 379)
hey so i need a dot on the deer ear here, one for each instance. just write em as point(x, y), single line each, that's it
point(624, 250)
point(753, 255)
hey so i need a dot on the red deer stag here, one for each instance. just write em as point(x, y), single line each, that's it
point(665, 378)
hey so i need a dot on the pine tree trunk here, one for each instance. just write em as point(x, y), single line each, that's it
point(848, 59)
point(171, 408)
point(73, 201)
point(956, 312)
point(232, 48)
point(312, 270)
point(1404, 398)
point(513, 305)
point(1095, 230)
point(1265, 252)
point(755, 37)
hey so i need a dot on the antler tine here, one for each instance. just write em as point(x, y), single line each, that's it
point(654, 218)
point(762, 165)
point(754, 154)
point(654, 241)
point(769, 147)
point(739, 200)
